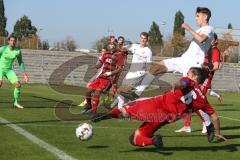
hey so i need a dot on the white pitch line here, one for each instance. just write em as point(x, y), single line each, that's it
point(57, 152)
point(233, 119)
point(99, 127)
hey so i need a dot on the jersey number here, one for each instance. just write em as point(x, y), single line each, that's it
point(187, 99)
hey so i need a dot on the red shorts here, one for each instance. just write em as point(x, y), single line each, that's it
point(100, 84)
point(208, 109)
point(147, 110)
point(147, 129)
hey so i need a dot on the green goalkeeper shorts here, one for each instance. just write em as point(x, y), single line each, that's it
point(9, 74)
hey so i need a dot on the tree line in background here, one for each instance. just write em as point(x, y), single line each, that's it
point(169, 46)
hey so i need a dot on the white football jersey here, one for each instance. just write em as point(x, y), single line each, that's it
point(196, 50)
point(141, 56)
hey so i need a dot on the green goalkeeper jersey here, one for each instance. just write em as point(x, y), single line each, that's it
point(7, 57)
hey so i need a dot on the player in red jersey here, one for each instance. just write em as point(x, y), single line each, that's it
point(212, 63)
point(122, 57)
point(111, 66)
point(186, 97)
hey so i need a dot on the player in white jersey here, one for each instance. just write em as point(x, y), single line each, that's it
point(194, 56)
point(142, 55)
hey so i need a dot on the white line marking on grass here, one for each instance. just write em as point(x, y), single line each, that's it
point(60, 154)
point(233, 119)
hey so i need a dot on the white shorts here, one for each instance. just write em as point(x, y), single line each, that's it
point(180, 64)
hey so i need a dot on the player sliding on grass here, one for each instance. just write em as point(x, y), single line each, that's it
point(8, 54)
point(186, 97)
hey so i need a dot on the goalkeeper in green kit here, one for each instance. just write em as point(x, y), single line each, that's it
point(8, 54)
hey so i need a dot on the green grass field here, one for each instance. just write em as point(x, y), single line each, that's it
point(110, 140)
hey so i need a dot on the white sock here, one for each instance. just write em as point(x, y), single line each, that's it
point(147, 80)
point(120, 101)
point(206, 117)
point(114, 103)
point(215, 94)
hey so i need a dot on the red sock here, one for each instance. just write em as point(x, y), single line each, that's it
point(115, 113)
point(142, 141)
point(95, 103)
point(88, 100)
point(187, 121)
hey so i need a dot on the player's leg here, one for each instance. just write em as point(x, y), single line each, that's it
point(88, 99)
point(160, 68)
point(114, 103)
point(114, 89)
point(88, 95)
point(12, 77)
point(157, 68)
point(187, 124)
point(143, 136)
point(17, 95)
point(205, 119)
point(83, 103)
point(145, 109)
point(211, 126)
point(121, 101)
point(96, 96)
point(103, 87)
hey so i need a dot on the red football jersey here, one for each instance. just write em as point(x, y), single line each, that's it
point(109, 62)
point(187, 100)
point(212, 56)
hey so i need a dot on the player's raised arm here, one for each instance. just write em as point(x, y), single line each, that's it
point(199, 37)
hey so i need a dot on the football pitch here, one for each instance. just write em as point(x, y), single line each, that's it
point(38, 133)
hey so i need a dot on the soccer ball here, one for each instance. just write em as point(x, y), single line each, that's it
point(84, 131)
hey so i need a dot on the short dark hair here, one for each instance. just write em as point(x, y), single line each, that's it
point(215, 36)
point(201, 74)
point(144, 34)
point(120, 37)
point(111, 36)
point(205, 11)
point(11, 36)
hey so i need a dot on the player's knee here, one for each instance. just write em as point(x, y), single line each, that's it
point(131, 139)
point(17, 85)
point(97, 93)
point(214, 117)
point(123, 112)
point(157, 68)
